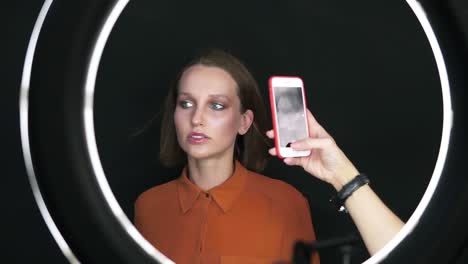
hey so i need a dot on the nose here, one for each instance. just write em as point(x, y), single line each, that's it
point(197, 117)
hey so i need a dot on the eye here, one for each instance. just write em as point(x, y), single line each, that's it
point(217, 106)
point(185, 104)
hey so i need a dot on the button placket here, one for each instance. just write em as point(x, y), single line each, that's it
point(207, 201)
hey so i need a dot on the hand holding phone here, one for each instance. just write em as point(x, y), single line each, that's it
point(288, 109)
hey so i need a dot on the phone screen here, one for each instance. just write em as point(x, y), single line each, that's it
point(290, 114)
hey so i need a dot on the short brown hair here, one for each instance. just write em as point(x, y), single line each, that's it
point(250, 148)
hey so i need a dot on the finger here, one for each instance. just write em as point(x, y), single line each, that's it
point(270, 134)
point(312, 143)
point(272, 151)
point(292, 161)
point(311, 119)
point(315, 129)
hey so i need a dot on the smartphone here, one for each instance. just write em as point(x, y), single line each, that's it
point(289, 116)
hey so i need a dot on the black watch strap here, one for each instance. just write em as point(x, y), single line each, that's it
point(348, 189)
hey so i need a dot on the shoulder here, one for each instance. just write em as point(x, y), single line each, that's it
point(157, 194)
point(286, 201)
point(276, 190)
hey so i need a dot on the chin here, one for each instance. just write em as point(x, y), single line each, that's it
point(198, 156)
point(198, 153)
point(203, 154)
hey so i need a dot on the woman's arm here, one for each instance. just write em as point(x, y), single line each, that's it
point(376, 223)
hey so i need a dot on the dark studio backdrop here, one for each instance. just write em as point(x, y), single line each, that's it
point(370, 80)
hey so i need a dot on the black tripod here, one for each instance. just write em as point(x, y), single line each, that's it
point(303, 251)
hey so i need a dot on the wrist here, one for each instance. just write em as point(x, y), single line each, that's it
point(348, 189)
point(344, 176)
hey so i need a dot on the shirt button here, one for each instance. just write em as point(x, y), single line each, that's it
point(207, 195)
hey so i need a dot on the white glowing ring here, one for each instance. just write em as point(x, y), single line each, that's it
point(92, 70)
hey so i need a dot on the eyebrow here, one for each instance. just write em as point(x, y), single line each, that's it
point(211, 95)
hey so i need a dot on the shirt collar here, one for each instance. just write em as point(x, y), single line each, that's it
point(224, 194)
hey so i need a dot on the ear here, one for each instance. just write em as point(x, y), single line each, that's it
point(246, 121)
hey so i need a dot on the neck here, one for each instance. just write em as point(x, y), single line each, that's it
point(208, 174)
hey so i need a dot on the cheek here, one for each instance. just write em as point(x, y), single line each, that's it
point(226, 123)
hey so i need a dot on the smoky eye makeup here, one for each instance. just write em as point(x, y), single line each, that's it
point(216, 102)
point(217, 106)
point(184, 100)
point(184, 103)
point(219, 102)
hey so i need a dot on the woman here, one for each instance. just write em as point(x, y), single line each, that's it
point(220, 210)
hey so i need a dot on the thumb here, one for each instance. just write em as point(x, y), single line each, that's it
point(312, 143)
point(292, 161)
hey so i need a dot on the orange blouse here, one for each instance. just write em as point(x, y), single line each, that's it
point(249, 219)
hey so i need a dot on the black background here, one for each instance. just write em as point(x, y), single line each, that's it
point(368, 69)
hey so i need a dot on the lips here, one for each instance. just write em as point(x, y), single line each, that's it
point(197, 138)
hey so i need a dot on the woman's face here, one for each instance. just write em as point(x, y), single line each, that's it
point(207, 116)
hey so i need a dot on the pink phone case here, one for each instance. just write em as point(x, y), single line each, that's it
point(273, 110)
